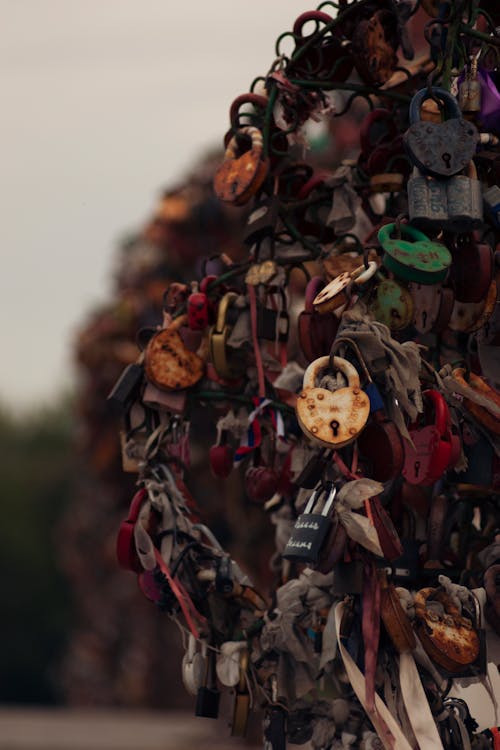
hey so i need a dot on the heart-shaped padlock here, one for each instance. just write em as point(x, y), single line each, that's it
point(440, 149)
point(168, 363)
point(429, 456)
point(450, 640)
point(413, 256)
point(332, 418)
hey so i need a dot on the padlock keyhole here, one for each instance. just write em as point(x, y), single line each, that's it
point(335, 427)
point(424, 318)
point(446, 157)
point(417, 468)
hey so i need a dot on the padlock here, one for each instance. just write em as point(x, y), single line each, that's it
point(430, 455)
point(221, 456)
point(476, 384)
point(440, 149)
point(491, 198)
point(242, 173)
point(228, 364)
point(193, 666)
point(471, 272)
point(465, 201)
point(127, 388)
point(241, 708)
point(432, 306)
point(332, 419)
point(208, 695)
point(450, 640)
point(273, 324)
point(386, 531)
point(311, 529)
point(334, 294)
point(468, 317)
point(125, 542)
point(374, 42)
point(395, 619)
point(413, 256)
point(316, 332)
point(197, 309)
point(168, 363)
point(427, 201)
point(392, 304)
point(469, 90)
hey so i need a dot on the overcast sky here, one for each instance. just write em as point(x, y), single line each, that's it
point(104, 102)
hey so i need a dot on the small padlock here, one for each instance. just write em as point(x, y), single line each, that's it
point(127, 388)
point(311, 529)
point(469, 90)
point(472, 269)
point(241, 708)
point(208, 695)
point(197, 309)
point(334, 294)
point(167, 361)
point(228, 364)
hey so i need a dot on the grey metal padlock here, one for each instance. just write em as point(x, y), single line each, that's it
point(311, 529)
point(427, 201)
point(465, 202)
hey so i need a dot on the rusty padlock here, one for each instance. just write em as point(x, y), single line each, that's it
point(242, 172)
point(332, 418)
point(432, 307)
point(440, 149)
point(168, 364)
point(334, 294)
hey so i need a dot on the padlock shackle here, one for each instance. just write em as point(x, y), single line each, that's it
point(324, 363)
point(451, 108)
point(255, 136)
point(413, 234)
point(442, 418)
point(224, 305)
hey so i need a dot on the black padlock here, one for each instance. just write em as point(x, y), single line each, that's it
point(224, 582)
point(127, 388)
point(208, 695)
point(272, 325)
point(311, 529)
point(275, 729)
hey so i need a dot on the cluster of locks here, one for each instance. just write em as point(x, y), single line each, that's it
point(351, 364)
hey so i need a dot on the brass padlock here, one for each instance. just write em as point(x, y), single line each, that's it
point(241, 707)
point(228, 365)
point(332, 418)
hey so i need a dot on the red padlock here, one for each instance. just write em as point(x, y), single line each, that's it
point(316, 331)
point(198, 311)
point(125, 544)
point(221, 457)
point(431, 453)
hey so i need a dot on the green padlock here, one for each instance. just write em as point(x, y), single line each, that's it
point(414, 257)
point(392, 305)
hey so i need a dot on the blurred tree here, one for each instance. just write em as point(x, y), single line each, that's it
point(37, 470)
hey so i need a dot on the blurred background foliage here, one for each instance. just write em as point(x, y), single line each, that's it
point(38, 468)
